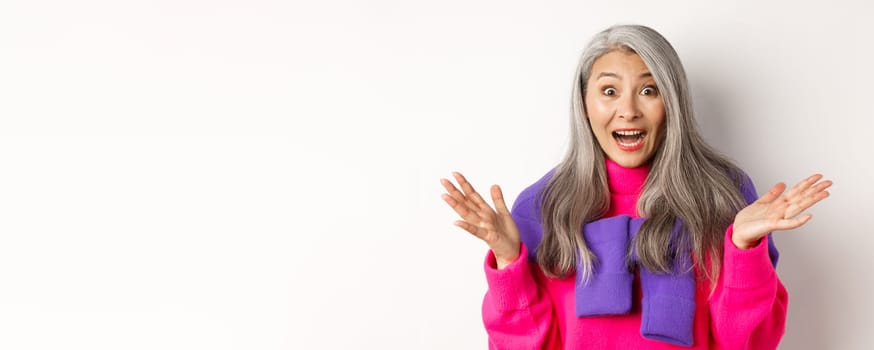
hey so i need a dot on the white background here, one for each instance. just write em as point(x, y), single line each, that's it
point(264, 174)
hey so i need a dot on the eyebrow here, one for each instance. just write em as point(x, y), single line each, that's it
point(614, 75)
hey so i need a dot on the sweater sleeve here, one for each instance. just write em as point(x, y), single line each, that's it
point(517, 310)
point(748, 306)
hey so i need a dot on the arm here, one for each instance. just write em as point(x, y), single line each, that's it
point(748, 306)
point(517, 311)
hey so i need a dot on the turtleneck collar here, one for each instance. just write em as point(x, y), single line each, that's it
point(626, 180)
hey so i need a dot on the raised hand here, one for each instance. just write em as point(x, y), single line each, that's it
point(497, 229)
point(777, 211)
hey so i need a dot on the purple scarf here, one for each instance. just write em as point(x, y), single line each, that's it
point(668, 304)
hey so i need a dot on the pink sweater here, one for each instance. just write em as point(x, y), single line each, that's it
point(524, 309)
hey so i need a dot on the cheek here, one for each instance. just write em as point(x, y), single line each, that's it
point(660, 123)
point(656, 111)
point(660, 126)
point(596, 112)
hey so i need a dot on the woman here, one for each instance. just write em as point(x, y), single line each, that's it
point(643, 237)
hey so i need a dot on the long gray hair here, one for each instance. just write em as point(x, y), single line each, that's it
point(688, 180)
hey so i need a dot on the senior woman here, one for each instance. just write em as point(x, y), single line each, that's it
point(642, 237)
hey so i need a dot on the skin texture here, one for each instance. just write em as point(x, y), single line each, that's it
point(495, 227)
point(620, 95)
point(777, 211)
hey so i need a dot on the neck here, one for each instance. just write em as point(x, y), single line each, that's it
point(625, 187)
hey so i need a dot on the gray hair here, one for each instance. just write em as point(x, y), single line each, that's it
point(688, 180)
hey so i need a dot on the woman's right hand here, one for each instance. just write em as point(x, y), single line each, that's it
point(497, 229)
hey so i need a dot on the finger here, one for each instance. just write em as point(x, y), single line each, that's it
point(463, 211)
point(450, 188)
point(498, 199)
point(789, 224)
point(773, 193)
point(458, 196)
point(469, 228)
point(819, 187)
point(469, 191)
point(810, 197)
point(802, 205)
point(803, 185)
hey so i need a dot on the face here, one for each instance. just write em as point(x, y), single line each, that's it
point(624, 108)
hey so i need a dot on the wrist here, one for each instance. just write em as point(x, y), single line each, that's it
point(504, 260)
point(739, 241)
point(742, 243)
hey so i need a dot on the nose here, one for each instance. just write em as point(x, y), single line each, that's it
point(628, 108)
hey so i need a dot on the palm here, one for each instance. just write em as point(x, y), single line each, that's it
point(777, 211)
point(495, 227)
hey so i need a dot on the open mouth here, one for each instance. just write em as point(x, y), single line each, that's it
point(629, 139)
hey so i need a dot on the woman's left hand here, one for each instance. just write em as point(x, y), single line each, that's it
point(778, 211)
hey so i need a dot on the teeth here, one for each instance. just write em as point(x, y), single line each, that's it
point(632, 133)
point(635, 143)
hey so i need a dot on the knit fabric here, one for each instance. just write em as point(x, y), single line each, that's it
point(524, 309)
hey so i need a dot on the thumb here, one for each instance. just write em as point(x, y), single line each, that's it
point(772, 194)
point(498, 199)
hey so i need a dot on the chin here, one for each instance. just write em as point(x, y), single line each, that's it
point(627, 161)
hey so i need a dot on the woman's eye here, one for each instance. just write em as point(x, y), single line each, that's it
point(649, 90)
point(609, 91)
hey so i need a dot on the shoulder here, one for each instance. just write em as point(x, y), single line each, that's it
point(746, 186)
point(748, 190)
point(527, 204)
point(526, 213)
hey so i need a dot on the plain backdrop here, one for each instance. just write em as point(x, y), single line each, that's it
point(232, 174)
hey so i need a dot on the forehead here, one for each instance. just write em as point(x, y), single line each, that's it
point(619, 62)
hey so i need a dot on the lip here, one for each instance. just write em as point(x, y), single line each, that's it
point(637, 146)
